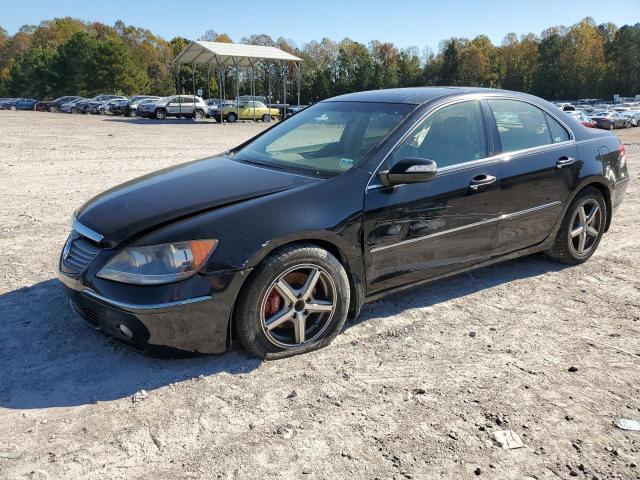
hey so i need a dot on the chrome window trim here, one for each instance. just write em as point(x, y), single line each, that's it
point(86, 231)
point(502, 156)
point(499, 218)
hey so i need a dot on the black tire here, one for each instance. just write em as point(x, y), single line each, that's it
point(611, 126)
point(160, 114)
point(53, 109)
point(564, 249)
point(199, 115)
point(266, 118)
point(628, 125)
point(231, 117)
point(250, 314)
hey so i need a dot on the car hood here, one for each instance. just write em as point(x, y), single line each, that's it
point(149, 202)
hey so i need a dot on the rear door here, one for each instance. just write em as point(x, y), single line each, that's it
point(539, 170)
point(420, 231)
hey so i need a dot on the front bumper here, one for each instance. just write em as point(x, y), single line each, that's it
point(198, 324)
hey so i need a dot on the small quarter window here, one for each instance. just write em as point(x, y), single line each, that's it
point(558, 132)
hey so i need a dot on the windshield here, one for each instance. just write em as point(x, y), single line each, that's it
point(327, 138)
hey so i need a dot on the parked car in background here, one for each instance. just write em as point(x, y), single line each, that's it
point(175, 106)
point(54, 105)
point(284, 237)
point(583, 118)
point(104, 108)
point(633, 116)
point(8, 103)
point(68, 107)
point(610, 120)
point(93, 107)
point(26, 104)
point(249, 111)
point(250, 98)
point(90, 103)
point(129, 107)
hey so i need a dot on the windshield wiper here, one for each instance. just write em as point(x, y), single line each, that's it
point(261, 164)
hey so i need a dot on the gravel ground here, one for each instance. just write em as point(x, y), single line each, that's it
point(413, 389)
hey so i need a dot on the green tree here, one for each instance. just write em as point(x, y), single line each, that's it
point(31, 76)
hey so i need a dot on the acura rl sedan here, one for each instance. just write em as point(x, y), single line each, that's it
point(278, 241)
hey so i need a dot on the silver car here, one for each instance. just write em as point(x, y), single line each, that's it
point(175, 106)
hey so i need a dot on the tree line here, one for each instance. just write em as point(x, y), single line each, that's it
point(66, 56)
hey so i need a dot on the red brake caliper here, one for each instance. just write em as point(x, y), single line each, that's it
point(273, 303)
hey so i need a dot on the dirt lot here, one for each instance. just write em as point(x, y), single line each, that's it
point(412, 389)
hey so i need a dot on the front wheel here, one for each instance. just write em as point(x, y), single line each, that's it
point(266, 118)
point(160, 114)
point(296, 301)
point(232, 117)
point(581, 229)
point(611, 126)
point(199, 115)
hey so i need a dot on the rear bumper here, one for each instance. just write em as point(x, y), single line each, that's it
point(617, 192)
point(198, 324)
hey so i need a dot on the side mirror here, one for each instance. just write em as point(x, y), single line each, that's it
point(409, 170)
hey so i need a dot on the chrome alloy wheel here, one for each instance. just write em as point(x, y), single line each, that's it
point(585, 227)
point(298, 306)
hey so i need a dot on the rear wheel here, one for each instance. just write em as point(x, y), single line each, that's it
point(628, 125)
point(296, 301)
point(266, 118)
point(582, 228)
point(160, 114)
point(611, 126)
point(199, 115)
point(13, 108)
point(232, 117)
point(53, 109)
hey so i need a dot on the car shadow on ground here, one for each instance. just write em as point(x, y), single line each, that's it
point(153, 121)
point(50, 358)
point(461, 285)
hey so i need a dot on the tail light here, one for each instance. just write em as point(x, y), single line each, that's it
point(622, 154)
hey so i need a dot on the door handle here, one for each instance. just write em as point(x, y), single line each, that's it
point(481, 181)
point(565, 162)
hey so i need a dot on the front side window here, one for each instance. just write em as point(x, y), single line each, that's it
point(452, 135)
point(326, 138)
point(520, 125)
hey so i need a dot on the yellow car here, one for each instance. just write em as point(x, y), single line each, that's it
point(245, 111)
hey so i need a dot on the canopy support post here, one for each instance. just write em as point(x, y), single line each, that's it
point(235, 64)
point(299, 77)
point(179, 90)
point(284, 89)
point(220, 82)
point(269, 88)
point(253, 89)
point(209, 82)
point(193, 72)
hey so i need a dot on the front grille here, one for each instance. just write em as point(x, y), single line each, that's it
point(80, 254)
point(91, 316)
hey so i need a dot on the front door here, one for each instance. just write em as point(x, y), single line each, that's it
point(419, 231)
point(538, 172)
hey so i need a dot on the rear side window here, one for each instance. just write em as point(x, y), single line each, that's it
point(520, 125)
point(452, 135)
point(558, 132)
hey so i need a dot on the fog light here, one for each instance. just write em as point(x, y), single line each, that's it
point(125, 332)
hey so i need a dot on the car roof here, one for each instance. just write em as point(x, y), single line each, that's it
point(414, 95)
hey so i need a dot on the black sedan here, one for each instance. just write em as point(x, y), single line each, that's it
point(281, 239)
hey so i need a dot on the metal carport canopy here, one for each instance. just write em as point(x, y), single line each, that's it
point(235, 54)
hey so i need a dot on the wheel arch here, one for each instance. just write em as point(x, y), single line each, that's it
point(355, 275)
point(606, 194)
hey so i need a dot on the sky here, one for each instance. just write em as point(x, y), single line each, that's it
point(420, 23)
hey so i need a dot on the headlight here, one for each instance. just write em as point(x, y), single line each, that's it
point(157, 264)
